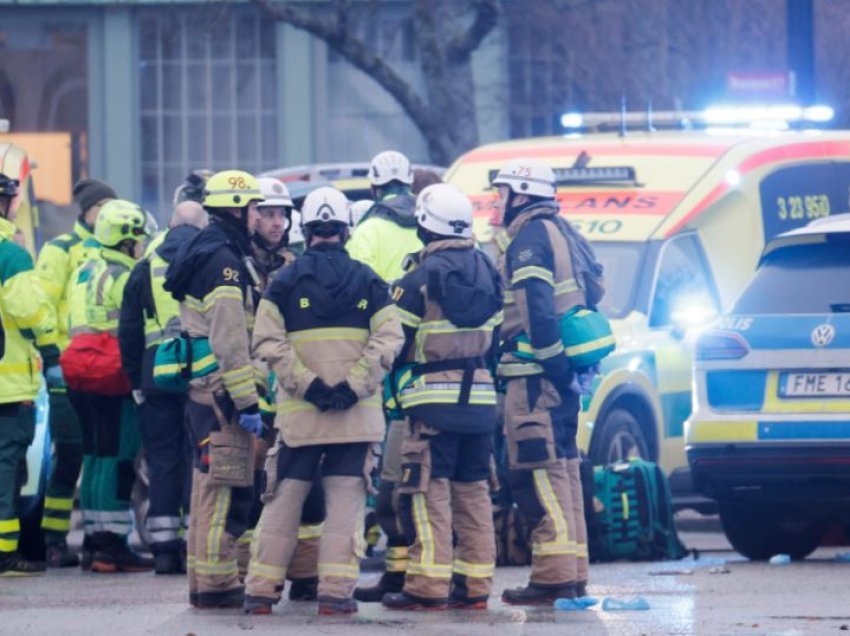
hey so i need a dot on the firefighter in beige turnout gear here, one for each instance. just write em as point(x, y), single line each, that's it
point(211, 278)
point(270, 231)
point(549, 269)
point(327, 328)
point(451, 309)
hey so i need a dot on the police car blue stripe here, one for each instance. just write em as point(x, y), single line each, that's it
point(804, 430)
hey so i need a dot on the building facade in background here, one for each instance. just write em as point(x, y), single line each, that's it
point(150, 92)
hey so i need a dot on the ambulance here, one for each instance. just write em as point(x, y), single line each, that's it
point(679, 219)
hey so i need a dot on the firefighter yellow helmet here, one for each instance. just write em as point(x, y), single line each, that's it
point(231, 189)
point(119, 220)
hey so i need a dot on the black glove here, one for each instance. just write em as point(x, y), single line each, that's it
point(320, 395)
point(343, 397)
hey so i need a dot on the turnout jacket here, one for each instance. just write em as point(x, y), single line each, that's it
point(450, 308)
point(328, 316)
point(211, 279)
point(542, 286)
point(149, 314)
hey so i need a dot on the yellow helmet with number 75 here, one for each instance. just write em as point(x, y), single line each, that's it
point(231, 189)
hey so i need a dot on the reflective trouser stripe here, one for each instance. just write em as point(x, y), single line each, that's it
point(57, 514)
point(474, 570)
point(397, 558)
point(310, 531)
point(246, 537)
point(163, 529)
point(340, 570)
point(546, 495)
point(10, 530)
point(269, 572)
point(215, 537)
point(426, 566)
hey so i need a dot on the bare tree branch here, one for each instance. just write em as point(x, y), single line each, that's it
point(486, 16)
point(355, 52)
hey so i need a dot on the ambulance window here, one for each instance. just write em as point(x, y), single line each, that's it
point(683, 290)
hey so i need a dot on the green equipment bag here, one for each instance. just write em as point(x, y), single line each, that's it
point(586, 335)
point(394, 383)
point(181, 359)
point(632, 514)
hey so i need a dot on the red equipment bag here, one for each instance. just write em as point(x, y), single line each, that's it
point(92, 364)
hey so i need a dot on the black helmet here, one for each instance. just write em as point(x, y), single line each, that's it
point(8, 187)
point(192, 189)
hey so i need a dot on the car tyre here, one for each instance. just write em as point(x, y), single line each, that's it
point(619, 438)
point(759, 531)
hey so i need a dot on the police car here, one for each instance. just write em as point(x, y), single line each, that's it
point(769, 437)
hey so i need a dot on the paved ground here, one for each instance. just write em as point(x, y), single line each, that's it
point(685, 597)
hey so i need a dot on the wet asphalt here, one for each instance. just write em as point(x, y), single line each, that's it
point(717, 593)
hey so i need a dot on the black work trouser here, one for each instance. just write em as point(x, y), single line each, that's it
point(163, 427)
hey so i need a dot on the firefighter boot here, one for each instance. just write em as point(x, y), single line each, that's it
point(116, 556)
point(12, 565)
point(169, 563)
point(331, 606)
point(411, 603)
point(59, 555)
point(538, 594)
point(87, 553)
point(390, 583)
point(306, 589)
point(258, 605)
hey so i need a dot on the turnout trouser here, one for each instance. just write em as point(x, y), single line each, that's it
point(305, 561)
point(169, 455)
point(540, 427)
point(111, 441)
point(67, 437)
point(219, 515)
point(386, 504)
point(291, 473)
point(17, 427)
point(444, 491)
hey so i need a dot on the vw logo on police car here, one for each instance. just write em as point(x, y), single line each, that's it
point(822, 335)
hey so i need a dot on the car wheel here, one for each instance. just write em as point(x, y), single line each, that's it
point(759, 532)
point(141, 499)
point(619, 438)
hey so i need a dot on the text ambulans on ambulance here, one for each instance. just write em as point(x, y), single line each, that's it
point(678, 219)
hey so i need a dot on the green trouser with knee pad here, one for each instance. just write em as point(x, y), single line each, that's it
point(17, 427)
point(111, 441)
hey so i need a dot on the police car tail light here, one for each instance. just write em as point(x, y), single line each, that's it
point(721, 345)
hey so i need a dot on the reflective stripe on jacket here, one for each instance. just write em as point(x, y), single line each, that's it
point(58, 261)
point(25, 315)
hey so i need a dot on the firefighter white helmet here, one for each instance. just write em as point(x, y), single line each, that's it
point(275, 192)
point(444, 210)
point(325, 205)
point(527, 176)
point(358, 209)
point(390, 166)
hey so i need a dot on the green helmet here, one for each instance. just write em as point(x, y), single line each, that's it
point(119, 220)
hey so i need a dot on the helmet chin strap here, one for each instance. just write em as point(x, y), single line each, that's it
point(513, 211)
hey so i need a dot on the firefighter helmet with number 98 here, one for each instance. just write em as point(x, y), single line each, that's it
point(231, 189)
